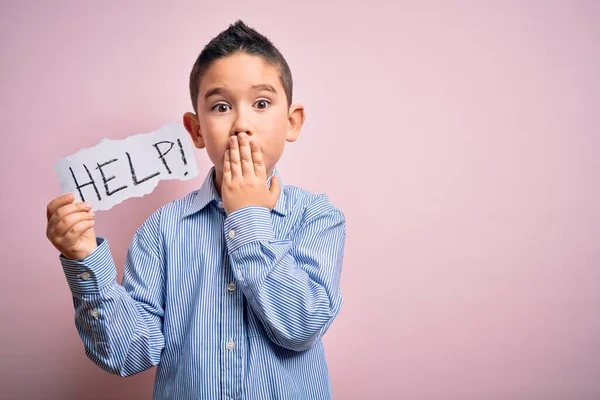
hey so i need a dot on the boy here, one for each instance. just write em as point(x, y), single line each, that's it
point(229, 289)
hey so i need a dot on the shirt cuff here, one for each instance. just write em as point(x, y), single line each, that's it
point(93, 272)
point(247, 225)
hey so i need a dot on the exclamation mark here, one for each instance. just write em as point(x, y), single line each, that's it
point(182, 155)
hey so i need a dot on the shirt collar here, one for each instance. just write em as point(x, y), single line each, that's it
point(208, 193)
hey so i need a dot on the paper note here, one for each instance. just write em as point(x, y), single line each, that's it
point(116, 170)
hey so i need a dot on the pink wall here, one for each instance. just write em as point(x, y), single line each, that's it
point(461, 139)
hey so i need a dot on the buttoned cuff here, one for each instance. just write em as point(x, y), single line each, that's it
point(92, 273)
point(247, 225)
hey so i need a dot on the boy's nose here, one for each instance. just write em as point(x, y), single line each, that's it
point(241, 125)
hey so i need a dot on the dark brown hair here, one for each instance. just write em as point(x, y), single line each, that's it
point(239, 38)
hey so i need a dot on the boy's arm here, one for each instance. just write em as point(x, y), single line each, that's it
point(291, 285)
point(121, 326)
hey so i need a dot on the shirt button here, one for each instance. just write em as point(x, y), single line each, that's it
point(231, 234)
point(84, 275)
point(231, 287)
point(95, 313)
point(230, 345)
point(220, 204)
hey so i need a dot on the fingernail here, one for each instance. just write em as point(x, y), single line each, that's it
point(87, 205)
point(92, 213)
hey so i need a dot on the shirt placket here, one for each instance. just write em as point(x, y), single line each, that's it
point(232, 333)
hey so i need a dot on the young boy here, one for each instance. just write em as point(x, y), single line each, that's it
point(229, 289)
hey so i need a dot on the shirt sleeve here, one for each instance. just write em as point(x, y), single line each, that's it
point(292, 285)
point(120, 325)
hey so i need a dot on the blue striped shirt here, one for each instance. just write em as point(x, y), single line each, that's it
point(227, 306)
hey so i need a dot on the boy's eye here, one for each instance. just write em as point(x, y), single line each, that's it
point(262, 104)
point(221, 107)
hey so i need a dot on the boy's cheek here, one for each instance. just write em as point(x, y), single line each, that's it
point(216, 154)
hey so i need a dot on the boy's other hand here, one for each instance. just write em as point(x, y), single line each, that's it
point(245, 176)
point(70, 227)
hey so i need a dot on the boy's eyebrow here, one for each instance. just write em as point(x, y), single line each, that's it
point(265, 87)
point(214, 91)
point(222, 90)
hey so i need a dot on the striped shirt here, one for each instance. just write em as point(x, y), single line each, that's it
point(227, 306)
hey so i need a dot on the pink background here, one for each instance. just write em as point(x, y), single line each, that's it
point(460, 138)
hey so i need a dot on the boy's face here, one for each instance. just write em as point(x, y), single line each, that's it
point(243, 93)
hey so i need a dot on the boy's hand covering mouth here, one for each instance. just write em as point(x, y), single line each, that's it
point(245, 176)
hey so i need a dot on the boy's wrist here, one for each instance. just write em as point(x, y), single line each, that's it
point(248, 224)
point(91, 274)
point(80, 255)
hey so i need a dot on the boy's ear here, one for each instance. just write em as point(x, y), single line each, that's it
point(295, 121)
point(190, 121)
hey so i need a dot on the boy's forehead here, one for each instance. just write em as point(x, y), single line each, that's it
point(240, 71)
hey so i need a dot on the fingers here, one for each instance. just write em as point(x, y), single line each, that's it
point(57, 203)
point(234, 158)
point(227, 166)
point(257, 160)
point(245, 154)
point(66, 210)
point(66, 224)
point(244, 158)
point(77, 229)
